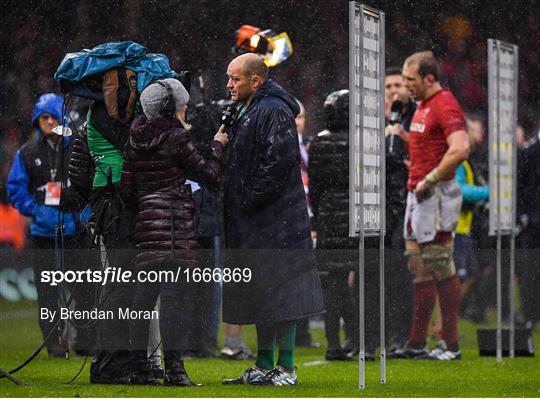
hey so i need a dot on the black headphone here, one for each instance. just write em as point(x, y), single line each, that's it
point(168, 107)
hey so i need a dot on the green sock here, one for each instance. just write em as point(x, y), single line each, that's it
point(266, 344)
point(286, 335)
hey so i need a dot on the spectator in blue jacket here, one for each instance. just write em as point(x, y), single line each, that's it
point(39, 188)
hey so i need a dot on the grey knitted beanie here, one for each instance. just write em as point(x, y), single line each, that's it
point(153, 97)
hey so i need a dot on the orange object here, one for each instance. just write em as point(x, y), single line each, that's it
point(12, 226)
point(243, 36)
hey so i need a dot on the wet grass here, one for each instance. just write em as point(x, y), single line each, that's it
point(471, 377)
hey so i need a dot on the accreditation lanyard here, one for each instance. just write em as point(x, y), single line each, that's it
point(53, 190)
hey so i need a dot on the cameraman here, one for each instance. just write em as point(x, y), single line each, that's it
point(329, 193)
point(106, 139)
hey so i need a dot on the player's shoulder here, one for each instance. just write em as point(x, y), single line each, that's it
point(445, 101)
point(445, 96)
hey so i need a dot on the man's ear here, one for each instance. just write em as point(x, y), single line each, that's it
point(256, 81)
point(430, 79)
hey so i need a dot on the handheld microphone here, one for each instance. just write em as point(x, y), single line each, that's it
point(395, 117)
point(395, 112)
point(62, 131)
point(227, 116)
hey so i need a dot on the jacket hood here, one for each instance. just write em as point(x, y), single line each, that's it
point(48, 103)
point(147, 134)
point(271, 88)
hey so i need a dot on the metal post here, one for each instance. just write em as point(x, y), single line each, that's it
point(352, 110)
point(356, 211)
point(381, 306)
point(498, 208)
point(511, 293)
point(361, 267)
point(382, 215)
point(499, 298)
point(361, 307)
point(514, 193)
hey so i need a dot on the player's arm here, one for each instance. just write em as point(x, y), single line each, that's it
point(458, 151)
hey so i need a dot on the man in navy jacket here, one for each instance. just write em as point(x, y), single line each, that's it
point(266, 223)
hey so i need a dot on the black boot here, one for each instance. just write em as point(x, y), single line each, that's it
point(142, 374)
point(175, 373)
point(111, 367)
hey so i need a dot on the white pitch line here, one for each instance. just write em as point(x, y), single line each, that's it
point(316, 363)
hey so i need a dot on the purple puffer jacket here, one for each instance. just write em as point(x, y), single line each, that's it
point(159, 157)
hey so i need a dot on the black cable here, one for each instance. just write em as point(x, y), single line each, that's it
point(59, 226)
point(60, 252)
point(59, 260)
point(40, 348)
point(86, 359)
point(154, 351)
point(79, 372)
point(36, 352)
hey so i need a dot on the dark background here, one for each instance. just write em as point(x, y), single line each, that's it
point(198, 36)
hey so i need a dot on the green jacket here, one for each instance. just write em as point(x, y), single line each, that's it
point(108, 155)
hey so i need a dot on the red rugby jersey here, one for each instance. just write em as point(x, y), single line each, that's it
point(434, 120)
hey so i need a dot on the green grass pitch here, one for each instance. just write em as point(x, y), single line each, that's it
point(472, 376)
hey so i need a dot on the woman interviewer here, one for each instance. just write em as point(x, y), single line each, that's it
point(159, 157)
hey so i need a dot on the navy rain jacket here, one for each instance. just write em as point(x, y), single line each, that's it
point(266, 217)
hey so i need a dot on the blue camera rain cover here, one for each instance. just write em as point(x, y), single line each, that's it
point(149, 66)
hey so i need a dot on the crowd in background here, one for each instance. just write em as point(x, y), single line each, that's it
point(457, 33)
point(41, 33)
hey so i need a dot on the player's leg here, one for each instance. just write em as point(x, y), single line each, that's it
point(424, 295)
point(438, 257)
point(439, 260)
point(419, 224)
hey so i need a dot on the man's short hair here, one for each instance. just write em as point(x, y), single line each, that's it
point(256, 66)
point(393, 70)
point(427, 64)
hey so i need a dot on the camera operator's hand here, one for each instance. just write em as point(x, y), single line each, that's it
point(221, 136)
point(393, 130)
